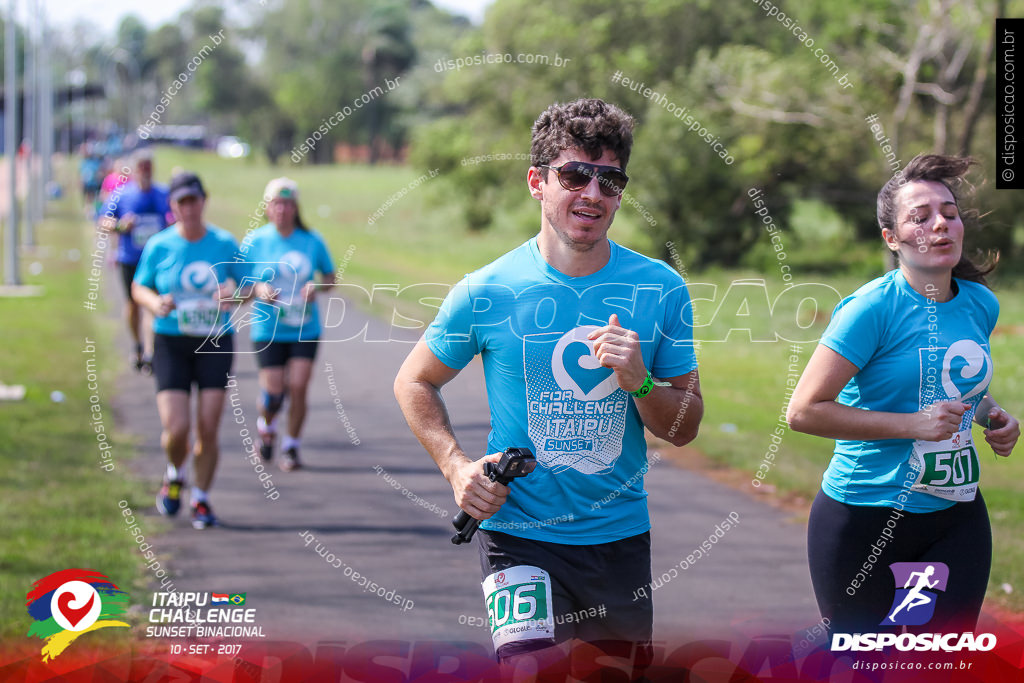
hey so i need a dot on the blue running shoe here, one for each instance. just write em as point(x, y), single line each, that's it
point(168, 501)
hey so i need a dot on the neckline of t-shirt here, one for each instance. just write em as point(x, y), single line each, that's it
point(177, 232)
point(902, 283)
point(271, 227)
point(584, 280)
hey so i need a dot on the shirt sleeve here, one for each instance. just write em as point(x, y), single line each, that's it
point(854, 331)
point(323, 257)
point(674, 355)
point(992, 309)
point(164, 208)
point(112, 207)
point(452, 337)
point(145, 273)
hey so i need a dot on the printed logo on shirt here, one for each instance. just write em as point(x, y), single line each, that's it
point(301, 267)
point(198, 277)
point(197, 308)
point(576, 411)
point(963, 373)
point(950, 468)
point(293, 273)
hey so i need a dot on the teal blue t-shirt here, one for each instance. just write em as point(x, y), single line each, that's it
point(191, 273)
point(547, 392)
point(911, 353)
point(287, 264)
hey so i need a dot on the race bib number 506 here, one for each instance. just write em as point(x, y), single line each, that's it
point(519, 605)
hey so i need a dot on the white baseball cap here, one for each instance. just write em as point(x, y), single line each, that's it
point(283, 188)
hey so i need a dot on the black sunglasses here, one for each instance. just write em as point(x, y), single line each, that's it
point(576, 175)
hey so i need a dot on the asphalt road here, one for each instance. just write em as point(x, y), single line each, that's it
point(754, 580)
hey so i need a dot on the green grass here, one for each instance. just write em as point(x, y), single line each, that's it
point(60, 509)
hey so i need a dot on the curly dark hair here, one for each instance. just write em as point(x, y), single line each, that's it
point(950, 171)
point(591, 125)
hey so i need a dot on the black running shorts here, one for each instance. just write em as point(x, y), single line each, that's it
point(592, 588)
point(127, 275)
point(178, 363)
point(277, 354)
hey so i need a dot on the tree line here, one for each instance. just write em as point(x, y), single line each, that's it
point(808, 105)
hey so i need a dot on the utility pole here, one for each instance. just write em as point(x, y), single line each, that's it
point(28, 130)
point(46, 110)
point(11, 276)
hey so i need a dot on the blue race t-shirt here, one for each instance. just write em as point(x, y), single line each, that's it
point(911, 352)
point(150, 209)
point(191, 273)
point(287, 264)
point(547, 392)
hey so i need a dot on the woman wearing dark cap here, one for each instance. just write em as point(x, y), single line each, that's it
point(897, 379)
point(185, 273)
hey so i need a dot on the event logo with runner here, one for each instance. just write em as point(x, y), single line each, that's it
point(917, 587)
point(575, 408)
point(71, 602)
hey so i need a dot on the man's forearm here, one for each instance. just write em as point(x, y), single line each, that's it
point(427, 417)
point(672, 413)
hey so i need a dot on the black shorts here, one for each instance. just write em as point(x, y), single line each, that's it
point(177, 362)
point(850, 548)
point(585, 579)
point(127, 275)
point(277, 354)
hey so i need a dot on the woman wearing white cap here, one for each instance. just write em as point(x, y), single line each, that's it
point(285, 255)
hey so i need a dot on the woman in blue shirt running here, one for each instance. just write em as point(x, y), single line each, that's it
point(897, 379)
point(186, 277)
point(285, 257)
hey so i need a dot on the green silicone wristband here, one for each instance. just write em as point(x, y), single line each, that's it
point(645, 388)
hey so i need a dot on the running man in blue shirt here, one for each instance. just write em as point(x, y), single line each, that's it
point(572, 329)
point(136, 211)
point(285, 255)
point(900, 374)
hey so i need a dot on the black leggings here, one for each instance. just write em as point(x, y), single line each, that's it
point(844, 541)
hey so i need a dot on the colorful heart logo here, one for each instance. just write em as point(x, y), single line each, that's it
point(75, 605)
point(73, 615)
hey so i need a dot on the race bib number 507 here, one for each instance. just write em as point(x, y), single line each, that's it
point(949, 469)
point(519, 605)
